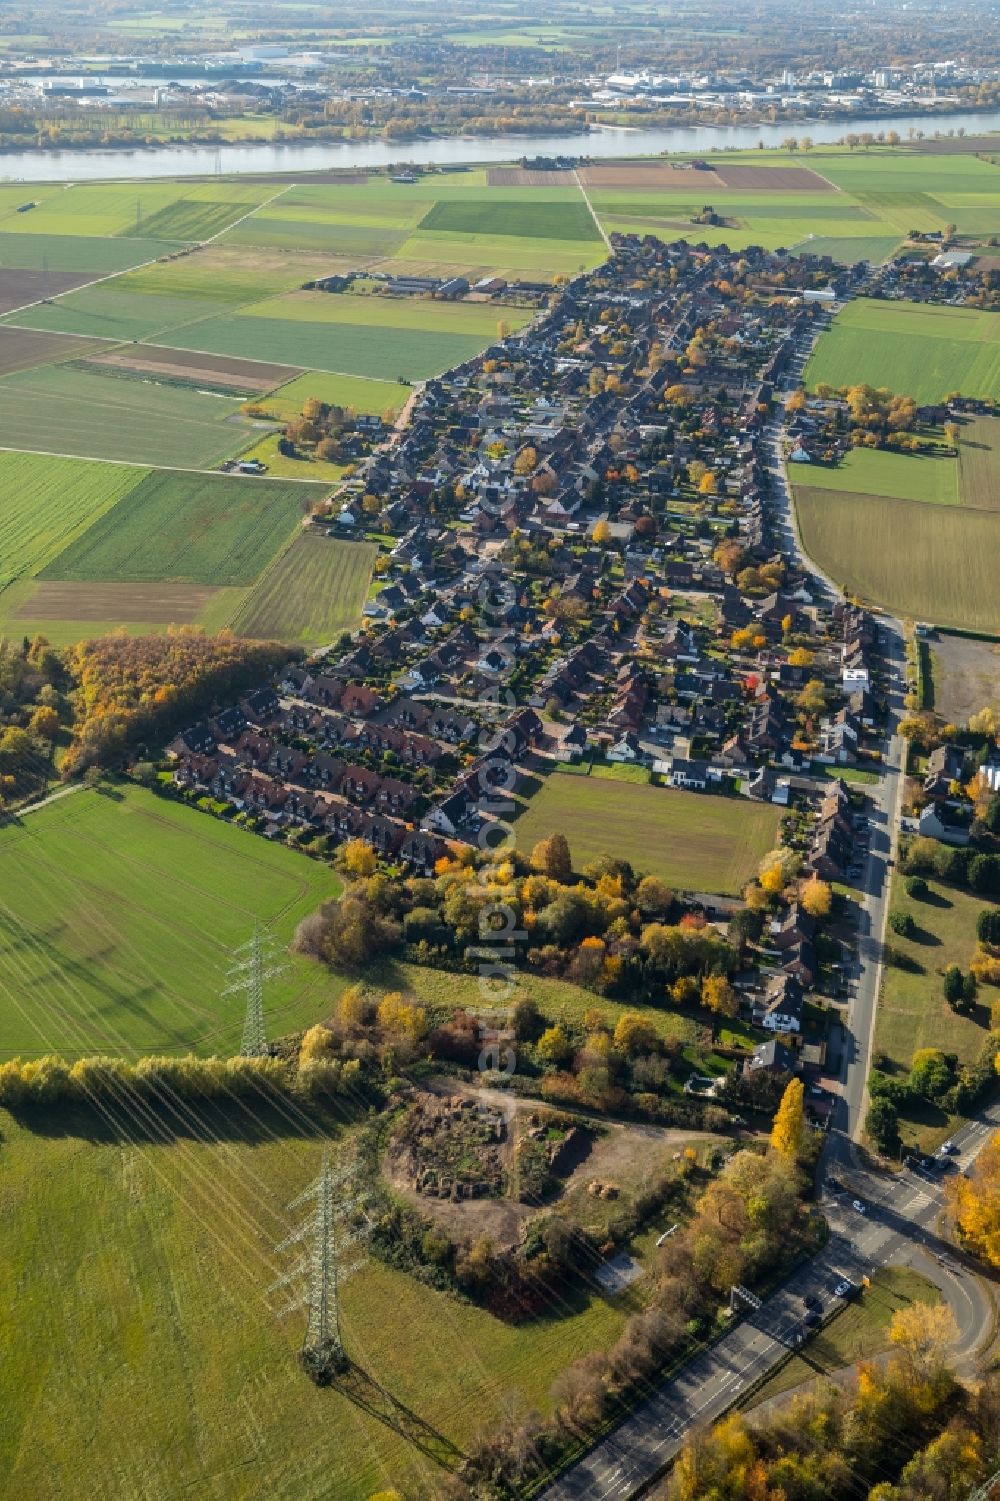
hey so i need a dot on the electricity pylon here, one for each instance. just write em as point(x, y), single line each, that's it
point(329, 1237)
point(253, 965)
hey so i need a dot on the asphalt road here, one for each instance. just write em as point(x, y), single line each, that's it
point(897, 1223)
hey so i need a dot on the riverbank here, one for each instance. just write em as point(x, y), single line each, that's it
point(597, 142)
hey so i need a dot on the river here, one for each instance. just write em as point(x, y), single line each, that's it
point(232, 160)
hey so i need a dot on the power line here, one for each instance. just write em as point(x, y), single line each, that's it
point(330, 1236)
point(253, 965)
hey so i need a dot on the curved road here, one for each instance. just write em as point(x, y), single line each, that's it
point(901, 1211)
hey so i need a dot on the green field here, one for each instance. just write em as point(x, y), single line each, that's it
point(528, 218)
point(693, 841)
point(191, 219)
point(66, 411)
point(912, 1011)
point(922, 561)
point(112, 311)
point(68, 252)
point(362, 394)
point(48, 502)
point(119, 912)
point(162, 1256)
point(476, 319)
point(921, 351)
point(311, 592)
point(187, 528)
point(380, 353)
point(870, 471)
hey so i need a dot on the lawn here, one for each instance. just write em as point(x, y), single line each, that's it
point(120, 910)
point(107, 416)
point(526, 218)
point(859, 1331)
point(381, 353)
point(188, 528)
point(362, 394)
point(693, 841)
point(868, 471)
point(46, 503)
point(922, 561)
point(162, 1256)
point(912, 1010)
point(311, 592)
point(922, 351)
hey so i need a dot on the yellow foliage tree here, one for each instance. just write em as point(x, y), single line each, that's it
point(316, 1044)
point(789, 1126)
point(400, 1018)
point(816, 897)
point(719, 996)
point(358, 859)
point(634, 1034)
point(924, 1331)
point(351, 1007)
point(601, 533)
point(976, 1202)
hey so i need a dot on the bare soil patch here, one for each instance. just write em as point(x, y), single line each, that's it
point(523, 177)
point(188, 365)
point(966, 676)
point(957, 145)
point(779, 179)
point(152, 604)
point(24, 348)
point(17, 288)
point(655, 175)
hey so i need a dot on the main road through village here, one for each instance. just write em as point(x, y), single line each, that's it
point(901, 1210)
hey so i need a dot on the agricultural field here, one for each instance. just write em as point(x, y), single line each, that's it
point(120, 910)
point(189, 219)
point(83, 255)
point(529, 218)
point(26, 349)
point(979, 462)
point(381, 353)
point(108, 416)
point(913, 1012)
point(932, 478)
point(472, 319)
point(48, 502)
point(239, 376)
point(311, 592)
point(187, 528)
point(173, 1246)
point(691, 840)
point(921, 561)
point(920, 351)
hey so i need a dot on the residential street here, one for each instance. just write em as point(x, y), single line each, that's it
point(900, 1211)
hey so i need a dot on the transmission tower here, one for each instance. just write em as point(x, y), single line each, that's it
point(329, 1237)
point(984, 1492)
point(252, 966)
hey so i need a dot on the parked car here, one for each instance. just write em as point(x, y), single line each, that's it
point(845, 1289)
point(857, 1204)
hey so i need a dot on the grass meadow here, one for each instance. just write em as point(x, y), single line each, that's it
point(979, 465)
point(119, 912)
point(932, 478)
point(693, 841)
point(187, 528)
point(162, 1255)
point(920, 351)
point(359, 392)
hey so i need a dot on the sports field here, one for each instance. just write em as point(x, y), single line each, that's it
point(932, 478)
point(188, 528)
point(922, 351)
point(119, 911)
point(692, 840)
point(311, 592)
point(105, 416)
point(927, 562)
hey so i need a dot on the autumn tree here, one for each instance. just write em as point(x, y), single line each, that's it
point(551, 856)
point(358, 859)
point(816, 897)
point(976, 1204)
point(924, 1332)
point(788, 1129)
point(601, 533)
point(718, 996)
point(554, 1045)
point(634, 1034)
